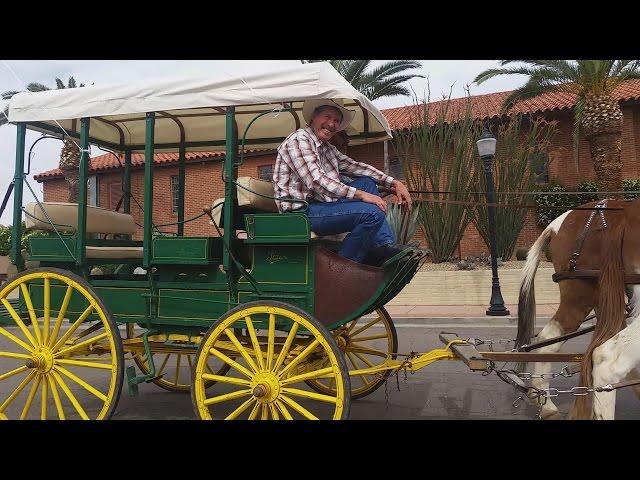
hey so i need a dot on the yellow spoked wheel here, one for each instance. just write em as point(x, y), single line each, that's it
point(174, 371)
point(282, 349)
point(62, 356)
point(366, 343)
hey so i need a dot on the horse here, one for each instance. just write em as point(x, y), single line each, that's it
point(578, 241)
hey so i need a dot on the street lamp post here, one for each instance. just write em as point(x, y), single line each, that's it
point(487, 149)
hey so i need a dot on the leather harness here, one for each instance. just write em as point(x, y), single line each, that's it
point(573, 272)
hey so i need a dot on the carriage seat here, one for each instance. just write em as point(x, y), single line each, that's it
point(99, 220)
point(256, 202)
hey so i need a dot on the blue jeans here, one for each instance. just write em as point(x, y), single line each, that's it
point(365, 221)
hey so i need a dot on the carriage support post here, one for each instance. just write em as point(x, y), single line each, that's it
point(181, 178)
point(81, 232)
point(126, 202)
point(231, 148)
point(148, 189)
point(16, 257)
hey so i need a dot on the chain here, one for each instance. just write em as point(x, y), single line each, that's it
point(501, 341)
point(576, 391)
point(565, 372)
point(386, 394)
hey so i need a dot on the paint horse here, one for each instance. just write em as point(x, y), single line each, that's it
point(594, 254)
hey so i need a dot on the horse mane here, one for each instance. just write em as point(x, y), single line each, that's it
point(610, 309)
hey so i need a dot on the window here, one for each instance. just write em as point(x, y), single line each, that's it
point(395, 169)
point(174, 194)
point(115, 194)
point(539, 165)
point(265, 172)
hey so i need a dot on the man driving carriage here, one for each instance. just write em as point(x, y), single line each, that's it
point(308, 167)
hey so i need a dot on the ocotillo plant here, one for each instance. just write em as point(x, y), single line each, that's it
point(438, 154)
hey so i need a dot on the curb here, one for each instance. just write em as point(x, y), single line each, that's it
point(465, 321)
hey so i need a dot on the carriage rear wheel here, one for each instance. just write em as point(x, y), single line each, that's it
point(62, 354)
point(366, 343)
point(283, 348)
point(174, 371)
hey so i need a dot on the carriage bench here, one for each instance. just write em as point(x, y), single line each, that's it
point(251, 202)
point(64, 216)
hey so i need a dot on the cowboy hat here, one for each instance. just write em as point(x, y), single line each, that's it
point(310, 106)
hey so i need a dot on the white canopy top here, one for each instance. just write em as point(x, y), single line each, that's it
point(195, 108)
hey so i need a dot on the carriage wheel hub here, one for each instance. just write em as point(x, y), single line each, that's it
point(265, 387)
point(342, 342)
point(42, 360)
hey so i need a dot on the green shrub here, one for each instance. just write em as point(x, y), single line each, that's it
point(24, 244)
point(589, 195)
point(5, 240)
point(631, 185)
point(547, 204)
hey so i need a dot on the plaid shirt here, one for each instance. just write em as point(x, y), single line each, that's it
point(309, 169)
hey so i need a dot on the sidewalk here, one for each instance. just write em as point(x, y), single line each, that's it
point(464, 314)
point(463, 297)
point(461, 311)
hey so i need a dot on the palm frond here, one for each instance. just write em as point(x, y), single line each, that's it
point(389, 91)
point(352, 70)
point(618, 66)
point(394, 67)
point(37, 87)
point(390, 87)
point(493, 72)
point(535, 86)
point(9, 94)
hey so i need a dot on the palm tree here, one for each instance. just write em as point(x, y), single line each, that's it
point(383, 81)
point(597, 114)
point(70, 154)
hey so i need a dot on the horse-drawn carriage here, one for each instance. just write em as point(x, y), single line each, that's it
point(260, 319)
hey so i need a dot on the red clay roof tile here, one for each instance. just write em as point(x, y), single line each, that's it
point(109, 162)
point(489, 105)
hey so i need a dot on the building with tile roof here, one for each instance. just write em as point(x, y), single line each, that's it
point(203, 170)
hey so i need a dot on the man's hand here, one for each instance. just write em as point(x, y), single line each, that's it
point(402, 193)
point(371, 198)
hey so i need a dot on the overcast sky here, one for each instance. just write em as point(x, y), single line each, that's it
point(443, 76)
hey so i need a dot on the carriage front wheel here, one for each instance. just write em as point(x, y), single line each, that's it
point(280, 348)
point(367, 342)
point(61, 356)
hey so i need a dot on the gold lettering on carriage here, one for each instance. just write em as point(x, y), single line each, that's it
point(275, 257)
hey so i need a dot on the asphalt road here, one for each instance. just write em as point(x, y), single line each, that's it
point(441, 391)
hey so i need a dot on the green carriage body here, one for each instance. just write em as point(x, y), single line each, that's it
point(192, 281)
